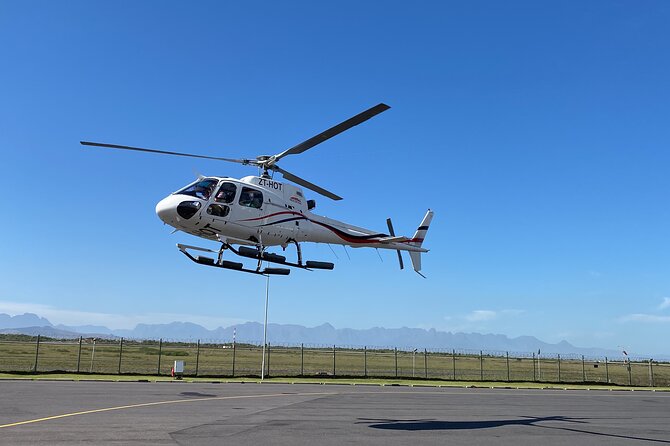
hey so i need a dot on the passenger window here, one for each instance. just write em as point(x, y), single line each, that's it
point(218, 210)
point(226, 193)
point(251, 198)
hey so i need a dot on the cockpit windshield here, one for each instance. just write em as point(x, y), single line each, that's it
point(201, 189)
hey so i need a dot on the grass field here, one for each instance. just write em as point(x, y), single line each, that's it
point(224, 360)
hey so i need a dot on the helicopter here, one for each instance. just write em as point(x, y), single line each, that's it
point(247, 216)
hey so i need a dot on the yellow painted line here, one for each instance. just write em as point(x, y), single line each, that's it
point(158, 403)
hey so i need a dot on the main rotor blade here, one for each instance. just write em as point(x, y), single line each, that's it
point(164, 152)
point(304, 183)
point(333, 131)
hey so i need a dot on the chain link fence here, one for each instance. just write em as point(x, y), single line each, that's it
point(24, 354)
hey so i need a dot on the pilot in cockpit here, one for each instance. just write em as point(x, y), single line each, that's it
point(205, 189)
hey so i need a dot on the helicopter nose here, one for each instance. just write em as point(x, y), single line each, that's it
point(166, 209)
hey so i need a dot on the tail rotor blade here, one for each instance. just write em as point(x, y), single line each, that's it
point(392, 233)
point(402, 265)
point(390, 225)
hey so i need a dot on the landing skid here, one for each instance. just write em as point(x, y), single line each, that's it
point(225, 264)
point(251, 253)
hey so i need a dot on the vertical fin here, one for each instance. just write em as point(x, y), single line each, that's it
point(416, 260)
point(421, 231)
point(418, 239)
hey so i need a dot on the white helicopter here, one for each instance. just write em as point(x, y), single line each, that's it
point(257, 212)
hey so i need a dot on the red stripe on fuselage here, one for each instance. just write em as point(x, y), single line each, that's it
point(272, 215)
point(341, 234)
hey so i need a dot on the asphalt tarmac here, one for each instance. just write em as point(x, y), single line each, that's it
point(102, 413)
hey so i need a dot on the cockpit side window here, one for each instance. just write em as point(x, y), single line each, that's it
point(226, 193)
point(202, 189)
point(251, 198)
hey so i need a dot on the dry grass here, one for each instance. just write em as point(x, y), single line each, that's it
point(245, 360)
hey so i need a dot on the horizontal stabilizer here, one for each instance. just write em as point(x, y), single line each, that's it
point(398, 239)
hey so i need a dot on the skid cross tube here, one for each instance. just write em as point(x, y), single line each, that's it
point(269, 258)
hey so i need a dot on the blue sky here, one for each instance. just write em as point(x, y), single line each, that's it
point(536, 131)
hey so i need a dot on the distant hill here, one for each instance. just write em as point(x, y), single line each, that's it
point(325, 334)
point(51, 332)
point(97, 329)
point(23, 320)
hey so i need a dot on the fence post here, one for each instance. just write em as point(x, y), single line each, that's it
point(559, 368)
point(333, 359)
point(425, 363)
point(197, 357)
point(453, 360)
point(395, 351)
point(534, 368)
point(234, 351)
point(120, 354)
point(79, 354)
point(160, 350)
point(651, 373)
point(481, 366)
point(90, 369)
point(607, 370)
point(37, 353)
point(302, 359)
point(507, 354)
point(583, 370)
point(365, 361)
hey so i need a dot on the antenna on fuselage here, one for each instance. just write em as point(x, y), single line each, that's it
point(346, 252)
point(334, 253)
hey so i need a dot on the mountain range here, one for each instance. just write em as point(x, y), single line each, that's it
point(325, 334)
